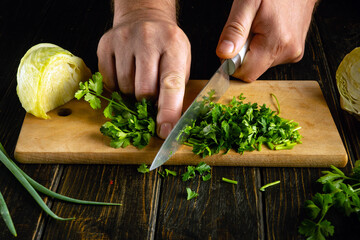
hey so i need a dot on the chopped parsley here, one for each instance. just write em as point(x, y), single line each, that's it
point(202, 168)
point(191, 194)
point(167, 172)
point(143, 168)
point(269, 185)
point(239, 126)
point(229, 181)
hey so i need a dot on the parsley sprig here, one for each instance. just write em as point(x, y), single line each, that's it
point(239, 126)
point(129, 125)
point(340, 192)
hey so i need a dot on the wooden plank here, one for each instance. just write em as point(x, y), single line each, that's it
point(76, 138)
point(138, 193)
point(221, 211)
point(26, 214)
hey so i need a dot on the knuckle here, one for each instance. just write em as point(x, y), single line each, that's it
point(236, 27)
point(291, 48)
point(173, 80)
point(296, 53)
point(127, 89)
point(145, 91)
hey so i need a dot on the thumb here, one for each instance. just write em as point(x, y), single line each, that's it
point(237, 28)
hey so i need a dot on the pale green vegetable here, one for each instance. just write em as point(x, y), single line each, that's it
point(348, 82)
point(48, 76)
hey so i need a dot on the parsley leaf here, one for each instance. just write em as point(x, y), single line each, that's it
point(191, 194)
point(167, 172)
point(202, 168)
point(143, 168)
point(190, 173)
point(339, 191)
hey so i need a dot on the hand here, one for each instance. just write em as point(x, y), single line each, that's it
point(147, 54)
point(279, 29)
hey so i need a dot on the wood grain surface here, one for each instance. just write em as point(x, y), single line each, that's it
point(76, 138)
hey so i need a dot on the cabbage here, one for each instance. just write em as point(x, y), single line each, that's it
point(348, 82)
point(48, 76)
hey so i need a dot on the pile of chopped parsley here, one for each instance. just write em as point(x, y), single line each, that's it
point(239, 126)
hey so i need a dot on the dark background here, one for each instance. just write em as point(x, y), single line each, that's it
point(222, 212)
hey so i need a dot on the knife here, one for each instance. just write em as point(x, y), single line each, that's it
point(218, 82)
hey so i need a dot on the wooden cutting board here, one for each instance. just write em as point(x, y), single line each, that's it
point(72, 134)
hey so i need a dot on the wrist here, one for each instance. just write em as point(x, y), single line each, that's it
point(143, 9)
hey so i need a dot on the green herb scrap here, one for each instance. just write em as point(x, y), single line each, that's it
point(340, 192)
point(129, 124)
point(229, 181)
point(167, 172)
point(239, 126)
point(202, 168)
point(143, 168)
point(269, 185)
point(191, 194)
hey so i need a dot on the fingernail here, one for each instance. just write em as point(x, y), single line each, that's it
point(165, 129)
point(226, 46)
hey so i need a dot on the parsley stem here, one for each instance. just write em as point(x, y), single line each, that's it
point(269, 185)
point(123, 106)
point(229, 180)
point(277, 102)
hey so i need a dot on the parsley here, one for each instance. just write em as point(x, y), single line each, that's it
point(229, 181)
point(190, 173)
point(269, 185)
point(239, 126)
point(129, 125)
point(167, 172)
point(202, 168)
point(206, 177)
point(143, 168)
point(339, 191)
point(191, 194)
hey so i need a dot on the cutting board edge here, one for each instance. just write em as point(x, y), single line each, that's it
point(249, 160)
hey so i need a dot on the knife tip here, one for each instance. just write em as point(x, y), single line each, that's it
point(152, 167)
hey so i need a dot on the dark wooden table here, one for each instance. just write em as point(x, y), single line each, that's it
point(156, 208)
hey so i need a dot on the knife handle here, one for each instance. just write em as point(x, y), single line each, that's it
point(235, 62)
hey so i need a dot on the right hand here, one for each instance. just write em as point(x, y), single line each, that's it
point(147, 54)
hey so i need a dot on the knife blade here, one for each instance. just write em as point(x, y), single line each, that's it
point(218, 82)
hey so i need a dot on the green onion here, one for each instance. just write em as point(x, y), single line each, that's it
point(30, 185)
point(6, 216)
point(229, 180)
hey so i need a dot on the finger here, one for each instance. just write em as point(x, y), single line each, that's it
point(106, 64)
point(174, 69)
point(146, 74)
point(125, 71)
point(257, 60)
point(237, 28)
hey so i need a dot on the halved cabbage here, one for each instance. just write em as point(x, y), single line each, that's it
point(48, 76)
point(348, 82)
